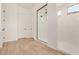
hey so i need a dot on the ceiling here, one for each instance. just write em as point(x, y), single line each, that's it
point(64, 4)
point(31, 5)
point(27, 5)
point(61, 4)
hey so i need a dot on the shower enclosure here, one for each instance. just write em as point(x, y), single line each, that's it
point(42, 23)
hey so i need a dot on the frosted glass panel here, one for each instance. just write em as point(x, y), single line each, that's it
point(73, 9)
point(42, 24)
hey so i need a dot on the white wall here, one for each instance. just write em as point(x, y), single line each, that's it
point(68, 31)
point(52, 25)
point(25, 22)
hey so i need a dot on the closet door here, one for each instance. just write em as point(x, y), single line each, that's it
point(0, 22)
point(3, 23)
point(42, 24)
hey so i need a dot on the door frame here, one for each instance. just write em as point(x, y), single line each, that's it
point(37, 20)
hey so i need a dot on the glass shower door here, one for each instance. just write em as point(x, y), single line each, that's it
point(42, 24)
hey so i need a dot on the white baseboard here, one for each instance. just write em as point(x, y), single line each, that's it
point(26, 38)
point(56, 48)
point(66, 53)
point(10, 40)
point(35, 38)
